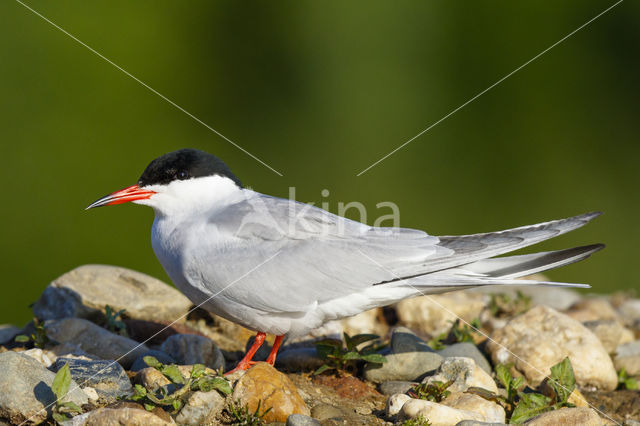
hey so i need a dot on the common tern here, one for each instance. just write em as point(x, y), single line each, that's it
point(283, 267)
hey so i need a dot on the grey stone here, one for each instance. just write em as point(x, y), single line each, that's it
point(201, 408)
point(628, 349)
point(95, 340)
point(326, 411)
point(610, 332)
point(8, 332)
point(405, 340)
point(84, 292)
point(396, 386)
point(464, 373)
point(193, 349)
point(118, 416)
point(139, 363)
point(468, 350)
point(478, 423)
point(108, 378)
point(25, 389)
point(299, 359)
point(301, 420)
point(409, 366)
point(567, 416)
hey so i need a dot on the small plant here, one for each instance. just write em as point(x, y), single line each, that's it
point(435, 391)
point(244, 417)
point(521, 406)
point(418, 421)
point(60, 388)
point(198, 380)
point(114, 321)
point(625, 381)
point(503, 305)
point(345, 359)
point(38, 337)
point(459, 332)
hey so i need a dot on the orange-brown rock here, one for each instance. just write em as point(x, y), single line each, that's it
point(263, 383)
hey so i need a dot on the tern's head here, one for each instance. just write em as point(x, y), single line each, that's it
point(181, 180)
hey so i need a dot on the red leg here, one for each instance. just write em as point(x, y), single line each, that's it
point(274, 351)
point(245, 363)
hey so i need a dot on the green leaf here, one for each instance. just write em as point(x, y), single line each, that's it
point(140, 390)
point(173, 373)
point(322, 369)
point(348, 342)
point(504, 375)
point(197, 371)
point(71, 406)
point(149, 407)
point(631, 383)
point(21, 338)
point(375, 358)
point(351, 356)
point(60, 385)
point(207, 384)
point(152, 361)
point(562, 380)
point(59, 417)
point(324, 351)
point(530, 405)
point(177, 404)
point(358, 339)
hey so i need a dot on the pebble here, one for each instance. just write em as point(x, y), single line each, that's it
point(465, 374)
point(119, 416)
point(264, 383)
point(45, 358)
point(84, 292)
point(404, 340)
point(95, 340)
point(592, 309)
point(630, 311)
point(326, 411)
point(468, 350)
point(298, 359)
point(139, 363)
point(396, 386)
point(108, 378)
point(491, 411)
point(438, 414)
point(193, 349)
point(201, 408)
point(611, 333)
point(301, 420)
point(407, 366)
point(25, 389)
point(478, 423)
point(435, 314)
point(395, 403)
point(628, 357)
point(543, 337)
point(8, 332)
point(567, 416)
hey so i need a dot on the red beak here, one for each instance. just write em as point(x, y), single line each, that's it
point(130, 193)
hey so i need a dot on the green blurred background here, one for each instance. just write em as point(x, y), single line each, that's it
point(319, 91)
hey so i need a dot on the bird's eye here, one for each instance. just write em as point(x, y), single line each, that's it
point(183, 175)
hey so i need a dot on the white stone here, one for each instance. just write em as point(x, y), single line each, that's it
point(491, 411)
point(438, 414)
point(578, 416)
point(465, 374)
point(45, 358)
point(395, 403)
point(542, 337)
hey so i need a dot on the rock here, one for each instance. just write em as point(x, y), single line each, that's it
point(298, 359)
point(25, 389)
point(610, 333)
point(395, 403)
point(576, 398)
point(201, 408)
point(405, 340)
point(438, 414)
point(592, 309)
point(84, 292)
point(468, 350)
point(151, 379)
point(108, 378)
point(578, 416)
point(542, 337)
point(193, 349)
point(465, 374)
point(95, 340)
point(45, 358)
point(301, 420)
point(119, 416)
point(628, 357)
point(630, 310)
point(491, 411)
point(407, 366)
point(139, 363)
point(326, 411)
point(477, 423)
point(264, 383)
point(367, 322)
point(435, 314)
point(395, 386)
point(8, 332)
